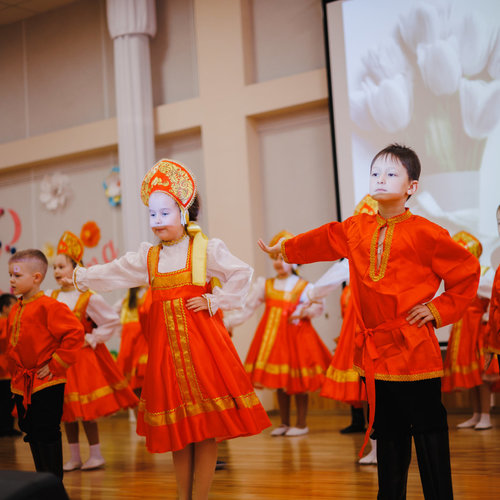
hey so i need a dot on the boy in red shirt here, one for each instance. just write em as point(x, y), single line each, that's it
point(397, 261)
point(45, 337)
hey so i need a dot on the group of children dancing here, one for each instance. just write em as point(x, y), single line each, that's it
point(186, 377)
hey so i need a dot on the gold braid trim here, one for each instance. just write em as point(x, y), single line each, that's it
point(58, 359)
point(283, 251)
point(408, 377)
point(377, 275)
point(435, 313)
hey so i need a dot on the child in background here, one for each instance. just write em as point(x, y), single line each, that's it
point(493, 334)
point(286, 352)
point(133, 354)
point(397, 261)
point(7, 301)
point(95, 387)
point(45, 338)
point(196, 391)
point(463, 366)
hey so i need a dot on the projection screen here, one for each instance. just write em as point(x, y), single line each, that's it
point(425, 74)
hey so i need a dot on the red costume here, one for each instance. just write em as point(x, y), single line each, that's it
point(195, 386)
point(95, 386)
point(493, 339)
point(4, 342)
point(41, 330)
point(133, 354)
point(417, 254)
point(284, 354)
point(342, 381)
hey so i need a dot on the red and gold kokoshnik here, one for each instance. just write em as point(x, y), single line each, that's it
point(469, 242)
point(172, 178)
point(72, 246)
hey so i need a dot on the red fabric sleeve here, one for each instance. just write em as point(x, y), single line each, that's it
point(325, 243)
point(460, 271)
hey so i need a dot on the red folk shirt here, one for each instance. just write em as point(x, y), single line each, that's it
point(41, 330)
point(493, 341)
point(417, 255)
point(4, 341)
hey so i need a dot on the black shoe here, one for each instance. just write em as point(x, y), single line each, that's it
point(50, 455)
point(351, 429)
point(220, 465)
point(357, 422)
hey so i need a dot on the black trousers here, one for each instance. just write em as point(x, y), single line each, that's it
point(6, 407)
point(412, 409)
point(41, 421)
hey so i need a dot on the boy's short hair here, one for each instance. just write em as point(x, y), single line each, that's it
point(6, 299)
point(33, 256)
point(407, 157)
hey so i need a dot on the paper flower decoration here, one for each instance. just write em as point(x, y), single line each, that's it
point(90, 234)
point(112, 187)
point(55, 191)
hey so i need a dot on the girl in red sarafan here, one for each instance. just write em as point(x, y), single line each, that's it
point(463, 366)
point(196, 391)
point(286, 353)
point(95, 386)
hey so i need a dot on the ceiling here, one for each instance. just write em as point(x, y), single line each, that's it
point(12, 11)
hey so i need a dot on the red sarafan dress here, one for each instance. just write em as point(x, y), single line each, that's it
point(342, 381)
point(284, 354)
point(195, 386)
point(133, 355)
point(95, 386)
point(464, 363)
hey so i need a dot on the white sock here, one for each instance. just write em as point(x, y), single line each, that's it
point(485, 419)
point(95, 451)
point(74, 450)
point(472, 421)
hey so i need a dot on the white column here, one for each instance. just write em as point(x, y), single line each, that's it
point(130, 24)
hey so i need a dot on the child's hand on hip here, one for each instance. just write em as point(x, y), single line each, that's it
point(197, 304)
point(420, 313)
point(44, 371)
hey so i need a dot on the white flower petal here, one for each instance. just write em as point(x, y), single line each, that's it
point(385, 61)
point(390, 103)
point(480, 106)
point(494, 64)
point(440, 66)
point(420, 25)
point(358, 108)
point(475, 38)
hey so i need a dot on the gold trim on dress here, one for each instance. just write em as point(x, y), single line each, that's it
point(219, 404)
point(274, 369)
point(75, 397)
point(341, 376)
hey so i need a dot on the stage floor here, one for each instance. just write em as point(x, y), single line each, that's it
point(320, 465)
